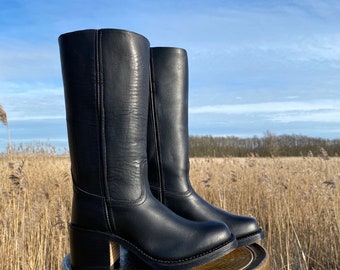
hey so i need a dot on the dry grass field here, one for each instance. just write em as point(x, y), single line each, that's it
point(296, 201)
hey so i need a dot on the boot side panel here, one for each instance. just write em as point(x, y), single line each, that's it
point(125, 79)
point(79, 70)
point(170, 90)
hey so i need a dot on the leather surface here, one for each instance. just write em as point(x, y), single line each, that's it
point(168, 145)
point(106, 82)
point(169, 72)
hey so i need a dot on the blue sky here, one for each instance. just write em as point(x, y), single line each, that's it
point(255, 66)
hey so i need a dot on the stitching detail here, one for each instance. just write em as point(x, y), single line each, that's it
point(116, 237)
point(180, 260)
point(155, 129)
point(250, 235)
point(101, 120)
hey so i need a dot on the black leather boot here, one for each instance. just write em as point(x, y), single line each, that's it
point(106, 83)
point(168, 147)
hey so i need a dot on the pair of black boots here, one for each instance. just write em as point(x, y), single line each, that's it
point(127, 120)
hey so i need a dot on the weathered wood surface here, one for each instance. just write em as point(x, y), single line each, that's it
point(246, 258)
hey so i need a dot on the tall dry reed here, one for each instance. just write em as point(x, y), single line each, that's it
point(296, 201)
point(34, 209)
point(3, 119)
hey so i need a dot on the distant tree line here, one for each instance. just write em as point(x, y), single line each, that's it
point(268, 145)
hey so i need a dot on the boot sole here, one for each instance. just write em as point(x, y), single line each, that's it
point(91, 250)
point(250, 238)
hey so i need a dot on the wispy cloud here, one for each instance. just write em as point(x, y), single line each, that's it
point(276, 62)
point(269, 107)
point(323, 116)
point(27, 101)
point(25, 61)
point(323, 111)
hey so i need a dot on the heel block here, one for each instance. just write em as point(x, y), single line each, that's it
point(92, 250)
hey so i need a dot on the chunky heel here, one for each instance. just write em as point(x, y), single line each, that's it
point(92, 250)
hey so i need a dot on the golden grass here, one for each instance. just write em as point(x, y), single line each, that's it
point(296, 200)
point(34, 209)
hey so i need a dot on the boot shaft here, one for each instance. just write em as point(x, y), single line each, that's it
point(106, 80)
point(168, 141)
point(168, 136)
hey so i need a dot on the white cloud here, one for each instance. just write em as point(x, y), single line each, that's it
point(271, 114)
point(269, 107)
point(328, 116)
point(25, 101)
point(289, 49)
point(22, 60)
